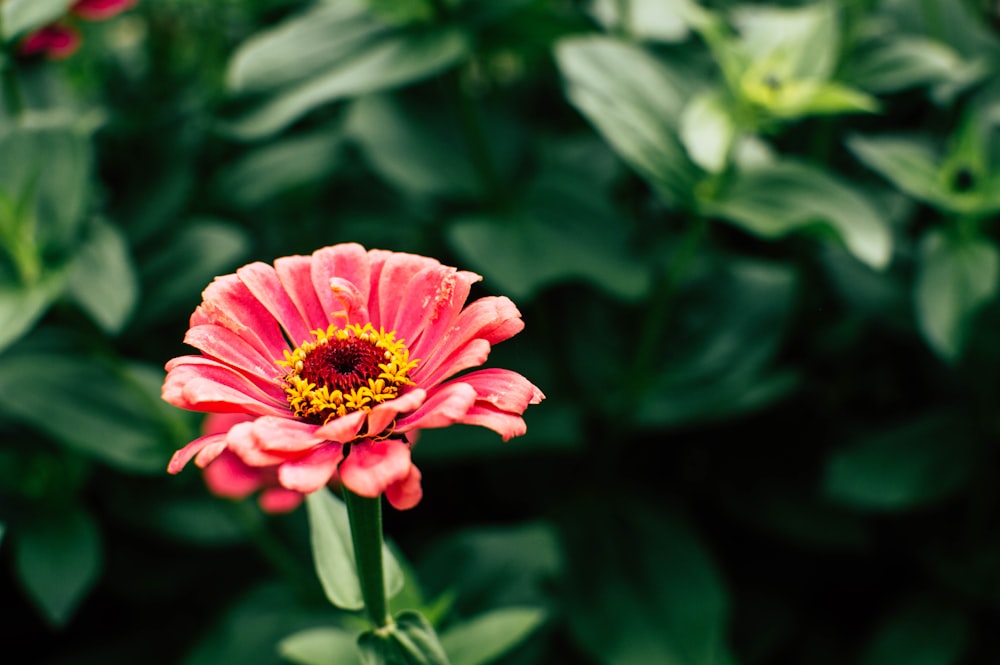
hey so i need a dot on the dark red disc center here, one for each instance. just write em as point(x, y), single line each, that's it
point(342, 364)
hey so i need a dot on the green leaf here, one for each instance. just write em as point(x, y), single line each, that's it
point(389, 62)
point(919, 633)
point(305, 45)
point(18, 17)
point(773, 200)
point(333, 553)
point(909, 163)
point(410, 640)
point(898, 62)
point(56, 189)
point(522, 255)
point(796, 43)
point(204, 248)
point(413, 150)
point(88, 405)
point(485, 638)
point(645, 590)
point(22, 306)
point(58, 559)
point(708, 130)
point(917, 462)
point(635, 102)
point(956, 277)
point(321, 646)
point(102, 277)
point(266, 172)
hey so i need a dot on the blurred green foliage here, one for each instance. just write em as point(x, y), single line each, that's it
point(755, 247)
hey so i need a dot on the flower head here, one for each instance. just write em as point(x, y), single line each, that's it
point(56, 42)
point(334, 358)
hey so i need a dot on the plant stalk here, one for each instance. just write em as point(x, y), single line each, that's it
point(366, 533)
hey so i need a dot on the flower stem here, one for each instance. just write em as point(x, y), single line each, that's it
point(366, 533)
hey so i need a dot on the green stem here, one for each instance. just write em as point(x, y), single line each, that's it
point(366, 533)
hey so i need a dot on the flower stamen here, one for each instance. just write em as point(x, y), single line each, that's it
point(342, 370)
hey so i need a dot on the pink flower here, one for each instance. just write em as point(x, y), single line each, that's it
point(99, 10)
point(337, 356)
point(56, 41)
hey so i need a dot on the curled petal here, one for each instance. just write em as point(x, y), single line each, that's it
point(347, 266)
point(313, 470)
point(503, 389)
point(342, 429)
point(185, 454)
point(443, 407)
point(506, 424)
point(240, 439)
point(373, 466)
point(406, 492)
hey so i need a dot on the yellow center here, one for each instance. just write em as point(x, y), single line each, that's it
point(345, 369)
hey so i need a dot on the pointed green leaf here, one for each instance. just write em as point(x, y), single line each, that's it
point(912, 464)
point(381, 64)
point(58, 559)
point(98, 408)
point(102, 277)
point(799, 43)
point(956, 277)
point(773, 200)
point(909, 163)
point(333, 552)
point(655, 20)
point(321, 646)
point(483, 639)
point(410, 640)
point(898, 62)
point(635, 102)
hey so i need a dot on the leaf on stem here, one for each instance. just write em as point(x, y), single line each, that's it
point(410, 640)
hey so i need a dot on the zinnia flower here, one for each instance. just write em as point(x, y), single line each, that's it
point(56, 41)
point(337, 356)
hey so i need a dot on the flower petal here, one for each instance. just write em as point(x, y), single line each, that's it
point(407, 492)
point(381, 416)
point(372, 466)
point(226, 346)
point(342, 429)
point(312, 471)
point(180, 458)
point(229, 477)
point(472, 354)
point(348, 263)
point(202, 384)
point(445, 406)
point(391, 273)
point(262, 281)
point(99, 10)
point(284, 435)
point(491, 319)
point(295, 275)
point(506, 424)
point(429, 304)
point(279, 500)
point(227, 302)
point(503, 389)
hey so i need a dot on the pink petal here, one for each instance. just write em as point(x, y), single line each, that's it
point(502, 388)
point(241, 441)
point(492, 319)
point(391, 273)
point(262, 281)
point(279, 500)
point(284, 435)
point(98, 10)
point(56, 41)
point(227, 302)
point(202, 384)
point(295, 276)
point(473, 354)
point(431, 302)
point(506, 424)
point(226, 346)
point(381, 416)
point(312, 471)
point(342, 429)
point(184, 455)
point(445, 406)
point(372, 466)
point(407, 492)
point(229, 477)
point(351, 306)
point(350, 264)
point(209, 453)
point(220, 423)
